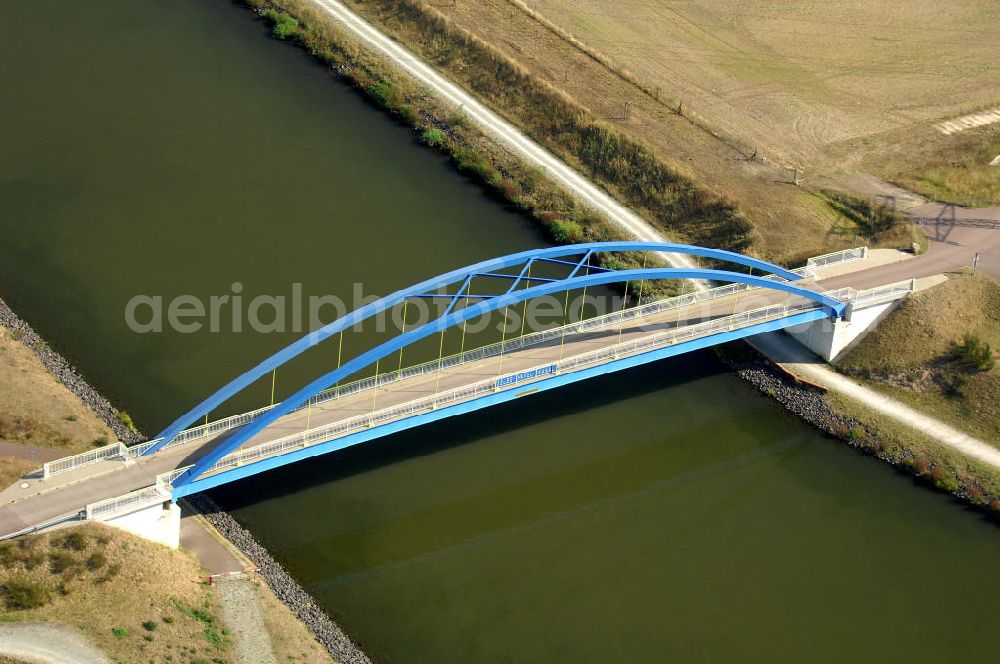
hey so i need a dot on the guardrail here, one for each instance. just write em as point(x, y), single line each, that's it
point(69, 516)
point(835, 258)
point(144, 497)
point(882, 294)
point(115, 450)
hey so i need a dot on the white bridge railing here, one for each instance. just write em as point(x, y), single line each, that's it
point(835, 258)
point(131, 501)
point(122, 452)
point(466, 392)
point(882, 294)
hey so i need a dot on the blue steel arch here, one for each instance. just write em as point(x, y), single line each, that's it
point(834, 307)
point(463, 276)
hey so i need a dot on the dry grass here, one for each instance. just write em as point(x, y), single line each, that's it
point(291, 640)
point(911, 355)
point(12, 469)
point(953, 169)
point(796, 79)
point(37, 410)
point(787, 223)
point(102, 581)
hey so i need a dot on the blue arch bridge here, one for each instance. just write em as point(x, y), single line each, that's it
point(740, 297)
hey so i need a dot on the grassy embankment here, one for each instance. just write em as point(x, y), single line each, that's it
point(673, 202)
point(955, 169)
point(935, 353)
point(882, 225)
point(134, 600)
point(38, 411)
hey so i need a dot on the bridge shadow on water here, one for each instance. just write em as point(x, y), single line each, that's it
point(469, 428)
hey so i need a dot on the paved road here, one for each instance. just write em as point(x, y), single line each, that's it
point(201, 539)
point(20, 451)
point(957, 234)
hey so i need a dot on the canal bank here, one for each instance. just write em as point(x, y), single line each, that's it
point(203, 538)
point(66, 374)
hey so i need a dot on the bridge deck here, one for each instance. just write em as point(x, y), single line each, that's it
point(73, 490)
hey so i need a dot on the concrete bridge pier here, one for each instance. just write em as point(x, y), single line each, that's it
point(832, 338)
point(159, 522)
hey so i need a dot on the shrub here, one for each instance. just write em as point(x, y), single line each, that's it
point(8, 554)
point(564, 231)
point(61, 561)
point(110, 573)
point(284, 25)
point(458, 119)
point(126, 419)
point(75, 540)
point(120, 632)
point(434, 137)
point(25, 594)
point(974, 353)
point(149, 625)
point(386, 94)
point(96, 561)
point(100, 441)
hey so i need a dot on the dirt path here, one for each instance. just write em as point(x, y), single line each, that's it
point(496, 126)
point(793, 223)
point(791, 355)
point(48, 644)
point(241, 611)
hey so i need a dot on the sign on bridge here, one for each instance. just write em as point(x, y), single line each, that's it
point(511, 379)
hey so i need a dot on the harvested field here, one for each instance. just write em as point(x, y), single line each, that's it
point(790, 223)
point(796, 79)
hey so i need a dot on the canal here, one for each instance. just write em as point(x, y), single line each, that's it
point(666, 513)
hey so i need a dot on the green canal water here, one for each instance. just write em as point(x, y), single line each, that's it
point(665, 513)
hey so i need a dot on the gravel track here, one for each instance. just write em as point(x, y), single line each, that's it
point(326, 631)
point(242, 613)
point(502, 130)
point(47, 644)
